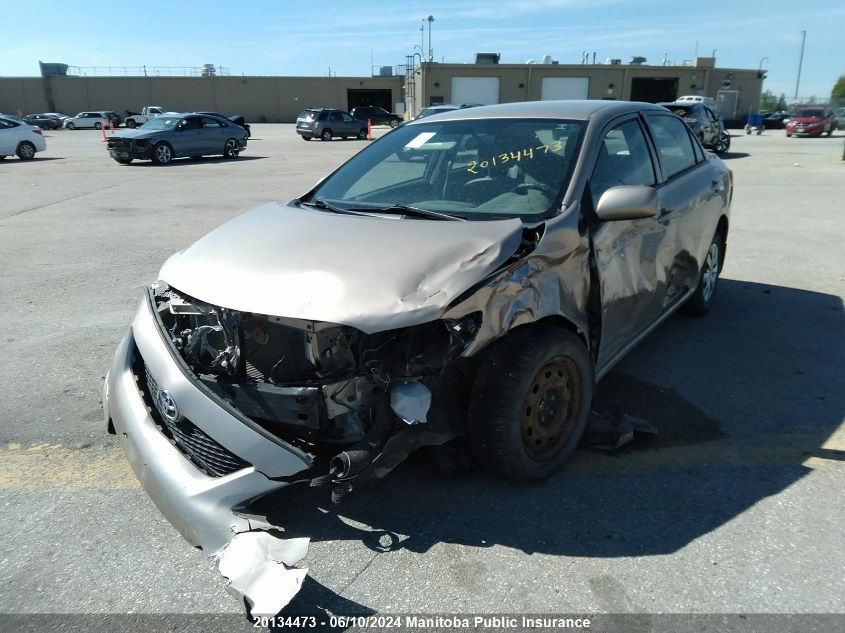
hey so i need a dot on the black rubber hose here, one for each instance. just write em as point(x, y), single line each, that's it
point(357, 458)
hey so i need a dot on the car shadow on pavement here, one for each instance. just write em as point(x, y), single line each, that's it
point(14, 160)
point(184, 162)
point(762, 374)
point(731, 155)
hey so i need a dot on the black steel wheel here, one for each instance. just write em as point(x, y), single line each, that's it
point(531, 400)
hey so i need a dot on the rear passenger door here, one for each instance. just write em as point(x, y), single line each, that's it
point(628, 253)
point(214, 135)
point(8, 137)
point(691, 192)
point(348, 123)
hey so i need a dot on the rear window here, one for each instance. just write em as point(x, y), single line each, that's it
point(308, 115)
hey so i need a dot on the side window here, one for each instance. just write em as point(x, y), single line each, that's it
point(674, 146)
point(323, 116)
point(192, 123)
point(623, 159)
point(346, 118)
point(335, 117)
point(208, 122)
point(696, 147)
point(3, 125)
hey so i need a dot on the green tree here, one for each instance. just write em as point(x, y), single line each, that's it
point(768, 101)
point(782, 106)
point(837, 95)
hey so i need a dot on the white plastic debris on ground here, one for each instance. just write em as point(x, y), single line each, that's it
point(260, 570)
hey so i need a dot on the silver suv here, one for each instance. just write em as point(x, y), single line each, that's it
point(326, 123)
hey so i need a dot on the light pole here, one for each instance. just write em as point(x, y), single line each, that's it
point(430, 51)
point(760, 67)
point(800, 63)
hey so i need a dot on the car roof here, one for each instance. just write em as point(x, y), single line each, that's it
point(579, 110)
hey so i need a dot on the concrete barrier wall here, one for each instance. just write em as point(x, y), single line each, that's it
point(259, 99)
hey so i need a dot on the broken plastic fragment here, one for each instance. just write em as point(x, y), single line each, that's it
point(609, 430)
point(411, 401)
point(258, 566)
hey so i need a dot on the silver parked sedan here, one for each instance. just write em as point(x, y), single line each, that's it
point(474, 272)
point(170, 136)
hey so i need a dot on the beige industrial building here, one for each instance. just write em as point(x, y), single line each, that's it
point(280, 99)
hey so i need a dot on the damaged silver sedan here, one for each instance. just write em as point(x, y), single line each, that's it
point(469, 274)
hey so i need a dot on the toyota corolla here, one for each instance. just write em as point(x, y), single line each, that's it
point(470, 274)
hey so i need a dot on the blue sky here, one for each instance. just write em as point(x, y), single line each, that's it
point(296, 38)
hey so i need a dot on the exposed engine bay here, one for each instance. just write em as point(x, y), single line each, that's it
point(310, 382)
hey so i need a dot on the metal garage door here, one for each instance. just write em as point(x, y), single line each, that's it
point(483, 90)
point(564, 88)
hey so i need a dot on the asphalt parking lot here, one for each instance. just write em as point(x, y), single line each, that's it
point(736, 507)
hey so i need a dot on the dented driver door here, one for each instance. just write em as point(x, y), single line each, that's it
point(627, 252)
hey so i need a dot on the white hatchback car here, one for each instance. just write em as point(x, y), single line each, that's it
point(17, 137)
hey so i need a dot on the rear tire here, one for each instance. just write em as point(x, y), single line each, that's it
point(305, 138)
point(98, 126)
point(394, 123)
point(362, 134)
point(71, 126)
point(699, 303)
point(530, 402)
point(26, 150)
point(123, 161)
point(326, 135)
point(131, 124)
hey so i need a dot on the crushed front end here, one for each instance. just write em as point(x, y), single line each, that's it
point(313, 383)
point(129, 148)
point(216, 408)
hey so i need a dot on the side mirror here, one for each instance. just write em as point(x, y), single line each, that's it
point(627, 203)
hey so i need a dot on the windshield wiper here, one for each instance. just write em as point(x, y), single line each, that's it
point(322, 204)
point(404, 209)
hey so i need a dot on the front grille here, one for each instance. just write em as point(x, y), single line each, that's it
point(209, 456)
point(116, 142)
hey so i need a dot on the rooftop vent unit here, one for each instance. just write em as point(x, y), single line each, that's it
point(385, 71)
point(637, 61)
point(53, 70)
point(208, 70)
point(487, 58)
point(613, 62)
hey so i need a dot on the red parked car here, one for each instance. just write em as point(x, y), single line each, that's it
point(812, 121)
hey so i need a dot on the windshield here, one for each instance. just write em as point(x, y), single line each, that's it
point(808, 114)
point(162, 123)
point(435, 110)
point(477, 169)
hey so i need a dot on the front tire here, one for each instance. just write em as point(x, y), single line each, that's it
point(162, 154)
point(394, 123)
point(231, 150)
point(326, 135)
point(723, 144)
point(70, 126)
point(124, 161)
point(26, 150)
point(305, 137)
point(98, 126)
point(700, 302)
point(131, 124)
point(530, 402)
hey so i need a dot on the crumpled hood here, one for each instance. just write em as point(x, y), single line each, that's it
point(371, 273)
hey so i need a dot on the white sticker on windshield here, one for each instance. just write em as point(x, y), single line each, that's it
point(420, 140)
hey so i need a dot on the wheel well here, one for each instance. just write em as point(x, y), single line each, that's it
point(722, 228)
point(558, 321)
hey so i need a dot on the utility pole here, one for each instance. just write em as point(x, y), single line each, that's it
point(800, 62)
point(430, 51)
